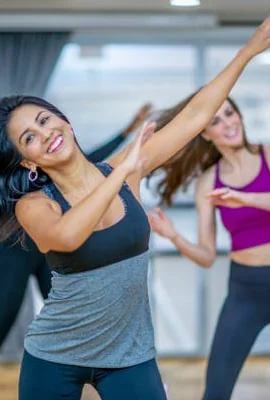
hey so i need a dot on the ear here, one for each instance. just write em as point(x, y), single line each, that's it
point(29, 165)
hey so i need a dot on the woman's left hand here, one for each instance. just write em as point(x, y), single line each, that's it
point(161, 224)
point(227, 197)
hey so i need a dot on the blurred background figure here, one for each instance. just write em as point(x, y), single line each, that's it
point(234, 176)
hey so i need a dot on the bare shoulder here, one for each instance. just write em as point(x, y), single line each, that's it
point(33, 197)
point(37, 214)
point(205, 182)
point(35, 203)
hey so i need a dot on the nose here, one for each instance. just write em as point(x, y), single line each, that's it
point(47, 134)
point(226, 123)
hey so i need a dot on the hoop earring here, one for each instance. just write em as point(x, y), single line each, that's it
point(32, 176)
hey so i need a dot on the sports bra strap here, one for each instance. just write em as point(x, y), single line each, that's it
point(264, 159)
point(104, 167)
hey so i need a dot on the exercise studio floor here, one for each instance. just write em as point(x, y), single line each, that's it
point(183, 379)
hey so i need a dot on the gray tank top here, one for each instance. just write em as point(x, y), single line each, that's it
point(99, 317)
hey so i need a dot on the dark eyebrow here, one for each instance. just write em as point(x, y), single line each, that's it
point(26, 130)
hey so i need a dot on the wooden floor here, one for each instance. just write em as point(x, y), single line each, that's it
point(183, 379)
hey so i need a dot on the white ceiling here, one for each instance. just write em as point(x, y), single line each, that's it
point(226, 10)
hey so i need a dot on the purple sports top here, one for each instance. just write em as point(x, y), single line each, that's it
point(247, 226)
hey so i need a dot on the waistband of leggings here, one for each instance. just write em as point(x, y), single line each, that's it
point(249, 274)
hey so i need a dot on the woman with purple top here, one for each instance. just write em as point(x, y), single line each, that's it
point(234, 176)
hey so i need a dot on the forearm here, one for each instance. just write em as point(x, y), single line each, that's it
point(79, 222)
point(257, 200)
point(197, 253)
point(195, 116)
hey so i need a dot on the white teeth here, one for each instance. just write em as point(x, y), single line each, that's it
point(55, 144)
point(232, 133)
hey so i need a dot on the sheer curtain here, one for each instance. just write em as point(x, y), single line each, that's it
point(27, 60)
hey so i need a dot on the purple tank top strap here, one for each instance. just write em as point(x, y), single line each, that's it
point(217, 183)
point(264, 160)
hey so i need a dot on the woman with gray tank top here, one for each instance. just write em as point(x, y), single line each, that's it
point(95, 327)
point(26, 261)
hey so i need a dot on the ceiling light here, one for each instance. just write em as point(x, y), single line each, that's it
point(185, 3)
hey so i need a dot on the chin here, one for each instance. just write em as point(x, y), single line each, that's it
point(237, 145)
point(60, 158)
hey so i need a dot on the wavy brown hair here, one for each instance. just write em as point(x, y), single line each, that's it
point(193, 159)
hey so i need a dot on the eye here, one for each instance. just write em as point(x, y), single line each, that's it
point(229, 112)
point(43, 120)
point(29, 138)
point(215, 121)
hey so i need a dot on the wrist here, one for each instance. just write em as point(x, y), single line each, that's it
point(247, 53)
point(123, 170)
point(246, 199)
point(173, 238)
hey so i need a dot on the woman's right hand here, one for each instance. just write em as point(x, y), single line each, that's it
point(260, 40)
point(161, 224)
point(227, 197)
point(133, 161)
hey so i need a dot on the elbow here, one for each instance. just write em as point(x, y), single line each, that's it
point(66, 242)
point(70, 243)
point(208, 261)
point(206, 264)
point(68, 239)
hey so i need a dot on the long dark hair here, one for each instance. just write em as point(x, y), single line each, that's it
point(14, 182)
point(193, 159)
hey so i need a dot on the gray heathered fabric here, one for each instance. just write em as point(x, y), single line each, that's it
point(99, 318)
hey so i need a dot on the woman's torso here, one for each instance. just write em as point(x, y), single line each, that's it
point(248, 224)
point(97, 313)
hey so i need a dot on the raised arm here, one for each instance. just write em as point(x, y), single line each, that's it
point(204, 251)
point(195, 116)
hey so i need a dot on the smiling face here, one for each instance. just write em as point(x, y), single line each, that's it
point(226, 128)
point(42, 138)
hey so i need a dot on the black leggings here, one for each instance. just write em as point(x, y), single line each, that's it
point(245, 313)
point(45, 380)
point(17, 265)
